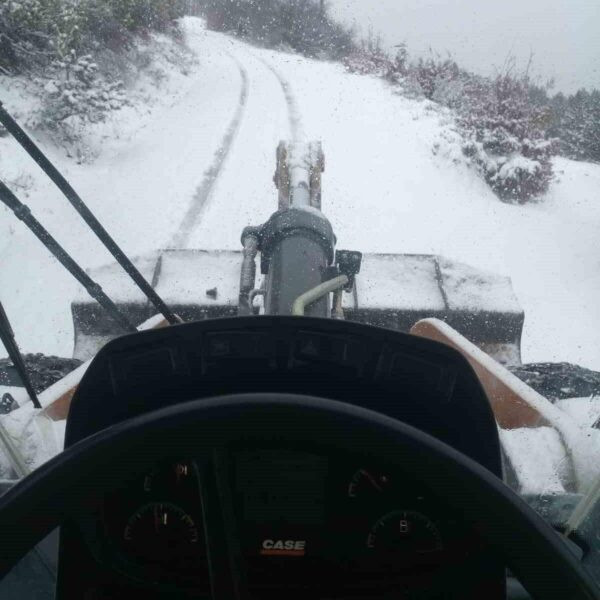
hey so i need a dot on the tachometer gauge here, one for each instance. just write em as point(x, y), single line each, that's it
point(160, 532)
point(404, 532)
point(367, 483)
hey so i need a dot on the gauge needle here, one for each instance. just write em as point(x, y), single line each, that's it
point(372, 480)
point(156, 518)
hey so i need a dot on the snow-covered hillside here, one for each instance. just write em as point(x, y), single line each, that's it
point(195, 167)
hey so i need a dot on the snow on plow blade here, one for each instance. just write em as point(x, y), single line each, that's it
point(392, 290)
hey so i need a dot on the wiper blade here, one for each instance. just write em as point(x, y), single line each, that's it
point(23, 213)
point(63, 185)
point(8, 339)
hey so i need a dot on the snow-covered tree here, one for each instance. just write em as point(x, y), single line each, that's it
point(303, 26)
point(576, 122)
point(34, 33)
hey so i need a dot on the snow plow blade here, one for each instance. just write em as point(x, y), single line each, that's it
point(391, 290)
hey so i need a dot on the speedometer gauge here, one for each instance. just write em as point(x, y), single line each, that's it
point(404, 532)
point(160, 532)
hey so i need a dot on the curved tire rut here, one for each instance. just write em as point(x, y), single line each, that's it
point(204, 191)
point(295, 120)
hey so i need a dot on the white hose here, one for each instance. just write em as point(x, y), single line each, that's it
point(317, 292)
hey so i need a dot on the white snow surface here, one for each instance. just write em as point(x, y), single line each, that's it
point(218, 271)
point(538, 457)
point(585, 411)
point(385, 282)
point(394, 182)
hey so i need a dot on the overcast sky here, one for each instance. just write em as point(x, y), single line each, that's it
point(564, 35)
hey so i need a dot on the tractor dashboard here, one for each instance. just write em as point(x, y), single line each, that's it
point(307, 521)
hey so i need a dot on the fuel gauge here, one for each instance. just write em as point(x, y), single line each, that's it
point(404, 532)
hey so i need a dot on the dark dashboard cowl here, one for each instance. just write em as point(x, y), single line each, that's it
point(418, 381)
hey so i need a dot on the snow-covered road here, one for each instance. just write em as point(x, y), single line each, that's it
point(203, 193)
point(198, 168)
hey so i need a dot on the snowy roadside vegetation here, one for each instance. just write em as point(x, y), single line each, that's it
point(67, 64)
point(76, 60)
point(511, 128)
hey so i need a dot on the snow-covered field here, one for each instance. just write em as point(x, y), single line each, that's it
point(200, 149)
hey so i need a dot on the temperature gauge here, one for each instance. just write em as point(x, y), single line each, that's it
point(367, 483)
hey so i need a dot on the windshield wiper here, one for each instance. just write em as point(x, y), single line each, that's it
point(23, 213)
point(63, 185)
point(8, 339)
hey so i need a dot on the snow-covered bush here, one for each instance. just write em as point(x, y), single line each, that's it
point(398, 71)
point(432, 74)
point(369, 58)
point(76, 91)
point(503, 120)
point(505, 135)
point(366, 61)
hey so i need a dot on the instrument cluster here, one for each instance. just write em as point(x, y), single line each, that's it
point(153, 530)
point(302, 521)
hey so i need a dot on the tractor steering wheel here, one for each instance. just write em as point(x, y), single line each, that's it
point(200, 429)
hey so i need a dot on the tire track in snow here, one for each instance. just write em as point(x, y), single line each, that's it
point(204, 191)
point(294, 117)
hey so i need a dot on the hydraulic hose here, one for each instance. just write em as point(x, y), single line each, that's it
point(317, 292)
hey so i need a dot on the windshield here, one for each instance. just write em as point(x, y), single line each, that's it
point(456, 146)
